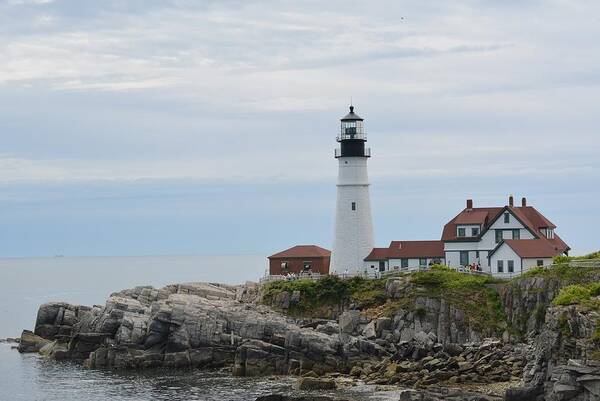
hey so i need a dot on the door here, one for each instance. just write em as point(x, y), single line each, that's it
point(464, 258)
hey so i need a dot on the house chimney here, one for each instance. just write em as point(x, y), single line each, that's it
point(523, 201)
point(511, 201)
point(469, 204)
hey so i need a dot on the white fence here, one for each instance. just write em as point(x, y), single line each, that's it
point(280, 277)
point(465, 270)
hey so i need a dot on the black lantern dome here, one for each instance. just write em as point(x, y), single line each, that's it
point(352, 136)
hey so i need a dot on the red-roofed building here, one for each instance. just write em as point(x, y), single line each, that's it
point(404, 256)
point(502, 240)
point(300, 259)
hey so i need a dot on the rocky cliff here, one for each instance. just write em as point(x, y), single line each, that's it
point(421, 330)
point(196, 325)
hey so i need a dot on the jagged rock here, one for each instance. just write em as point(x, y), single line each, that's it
point(30, 342)
point(199, 325)
point(328, 328)
point(349, 321)
point(56, 319)
point(369, 331)
point(282, 397)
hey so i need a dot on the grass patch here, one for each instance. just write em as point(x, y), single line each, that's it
point(577, 294)
point(328, 291)
point(565, 259)
point(563, 272)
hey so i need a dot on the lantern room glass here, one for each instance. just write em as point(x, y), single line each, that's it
point(352, 130)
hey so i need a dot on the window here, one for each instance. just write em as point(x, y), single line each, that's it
point(511, 266)
point(381, 266)
point(284, 266)
point(464, 258)
point(498, 236)
point(540, 262)
point(477, 254)
point(306, 265)
point(500, 266)
point(550, 233)
point(422, 262)
point(474, 231)
point(506, 218)
point(404, 263)
point(353, 205)
point(516, 234)
point(462, 232)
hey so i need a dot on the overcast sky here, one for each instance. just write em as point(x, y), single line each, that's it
point(169, 127)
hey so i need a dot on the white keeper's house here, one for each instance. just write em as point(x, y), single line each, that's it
point(503, 241)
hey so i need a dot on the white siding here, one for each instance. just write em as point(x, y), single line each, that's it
point(529, 263)
point(353, 239)
point(372, 266)
point(505, 253)
point(486, 244)
point(488, 241)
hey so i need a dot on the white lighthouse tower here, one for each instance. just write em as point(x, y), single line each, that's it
point(353, 225)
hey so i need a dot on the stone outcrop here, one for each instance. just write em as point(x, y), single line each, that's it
point(56, 319)
point(563, 363)
point(525, 302)
point(197, 325)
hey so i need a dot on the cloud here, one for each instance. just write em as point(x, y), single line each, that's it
point(465, 96)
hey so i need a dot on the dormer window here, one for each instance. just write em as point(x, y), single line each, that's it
point(474, 231)
point(462, 232)
point(547, 232)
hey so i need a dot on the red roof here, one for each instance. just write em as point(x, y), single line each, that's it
point(532, 248)
point(378, 254)
point(408, 249)
point(303, 251)
point(482, 216)
point(533, 220)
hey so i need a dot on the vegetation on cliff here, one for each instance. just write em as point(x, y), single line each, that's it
point(329, 291)
point(473, 294)
point(567, 272)
point(578, 294)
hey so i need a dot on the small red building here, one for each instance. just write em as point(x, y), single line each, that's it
point(300, 259)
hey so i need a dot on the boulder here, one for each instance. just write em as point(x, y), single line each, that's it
point(311, 383)
point(31, 343)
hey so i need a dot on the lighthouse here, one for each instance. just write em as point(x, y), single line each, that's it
point(353, 224)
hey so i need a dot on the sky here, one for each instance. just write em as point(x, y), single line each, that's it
point(185, 127)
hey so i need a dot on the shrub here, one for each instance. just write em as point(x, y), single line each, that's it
point(572, 294)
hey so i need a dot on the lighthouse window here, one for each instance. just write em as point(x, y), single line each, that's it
point(353, 205)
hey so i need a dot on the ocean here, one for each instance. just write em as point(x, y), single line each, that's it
point(27, 283)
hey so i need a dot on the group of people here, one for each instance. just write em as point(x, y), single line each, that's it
point(293, 276)
point(474, 267)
